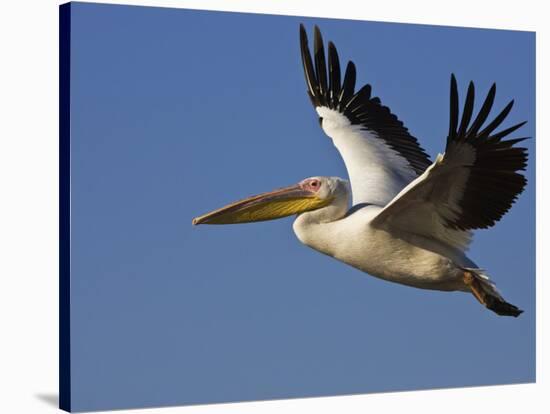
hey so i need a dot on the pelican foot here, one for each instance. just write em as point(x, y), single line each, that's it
point(486, 297)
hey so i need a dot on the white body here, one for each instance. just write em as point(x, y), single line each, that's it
point(410, 260)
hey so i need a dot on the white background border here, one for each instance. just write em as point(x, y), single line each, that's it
point(29, 191)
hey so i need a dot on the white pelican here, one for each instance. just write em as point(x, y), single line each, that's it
point(411, 220)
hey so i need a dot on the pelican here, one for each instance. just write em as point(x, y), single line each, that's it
point(411, 219)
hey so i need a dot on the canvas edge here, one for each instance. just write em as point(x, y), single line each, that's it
point(64, 207)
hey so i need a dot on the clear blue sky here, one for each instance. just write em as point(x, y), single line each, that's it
point(177, 112)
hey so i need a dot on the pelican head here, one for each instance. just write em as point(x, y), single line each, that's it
point(323, 198)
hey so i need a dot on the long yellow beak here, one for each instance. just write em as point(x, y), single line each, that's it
point(267, 206)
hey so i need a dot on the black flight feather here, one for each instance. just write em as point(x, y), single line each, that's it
point(358, 107)
point(494, 181)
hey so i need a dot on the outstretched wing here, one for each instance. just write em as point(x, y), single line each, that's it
point(471, 186)
point(381, 156)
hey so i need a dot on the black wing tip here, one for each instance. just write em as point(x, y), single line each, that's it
point(467, 111)
point(496, 180)
point(317, 40)
point(317, 33)
point(520, 124)
point(510, 104)
point(320, 66)
point(453, 109)
point(303, 35)
point(453, 81)
point(471, 133)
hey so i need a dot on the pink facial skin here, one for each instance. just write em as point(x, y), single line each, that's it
point(311, 184)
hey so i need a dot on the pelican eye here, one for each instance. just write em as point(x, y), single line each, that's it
point(315, 184)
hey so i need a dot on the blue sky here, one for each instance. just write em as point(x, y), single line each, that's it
point(178, 112)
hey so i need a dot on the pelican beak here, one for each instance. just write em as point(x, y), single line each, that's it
point(267, 206)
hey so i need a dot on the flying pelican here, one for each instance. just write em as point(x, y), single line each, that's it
point(411, 220)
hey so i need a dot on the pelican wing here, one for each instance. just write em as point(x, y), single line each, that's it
point(381, 156)
point(471, 186)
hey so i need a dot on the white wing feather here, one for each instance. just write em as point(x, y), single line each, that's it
point(381, 156)
point(429, 203)
point(376, 172)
